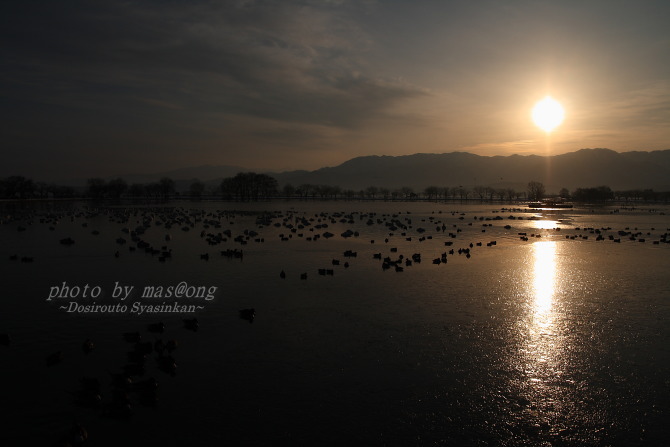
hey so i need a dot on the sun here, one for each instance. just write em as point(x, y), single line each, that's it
point(548, 114)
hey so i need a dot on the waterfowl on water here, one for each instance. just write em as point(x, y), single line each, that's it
point(75, 436)
point(156, 327)
point(248, 314)
point(67, 241)
point(132, 337)
point(55, 358)
point(136, 357)
point(87, 346)
point(89, 393)
point(167, 364)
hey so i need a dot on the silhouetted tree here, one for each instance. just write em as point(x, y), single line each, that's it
point(196, 189)
point(648, 195)
point(371, 192)
point(153, 190)
point(599, 194)
point(444, 192)
point(385, 193)
point(564, 193)
point(490, 192)
point(535, 190)
point(249, 186)
point(305, 190)
point(167, 187)
point(479, 191)
point(431, 192)
point(17, 187)
point(334, 191)
point(96, 188)
point(137, 190)
point(60, 191)
point(116, 188)
point(349, 193)
point(407, 193)
point(288, 190)
point(463, 193)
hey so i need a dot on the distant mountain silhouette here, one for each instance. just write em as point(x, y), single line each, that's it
point(583, 168)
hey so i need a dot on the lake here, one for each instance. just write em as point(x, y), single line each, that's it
point(375, 323)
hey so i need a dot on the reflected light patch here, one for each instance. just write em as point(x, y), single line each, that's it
point(544, 276)
point(543, 343)
point(545, 224)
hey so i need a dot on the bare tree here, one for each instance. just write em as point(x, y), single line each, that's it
point(96, 188)
point(167, 186)
point(288, 190)
point(196, 189)
point(480, 191)
point(565, 193)
point(371, 191)
point(535, 190)
point(249, 186)
point(431, 192)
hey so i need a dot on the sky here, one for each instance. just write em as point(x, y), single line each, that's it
point(108, 88)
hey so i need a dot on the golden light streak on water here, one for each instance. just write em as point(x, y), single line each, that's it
point(545, 224)
point(542, 345)
point(544, 279)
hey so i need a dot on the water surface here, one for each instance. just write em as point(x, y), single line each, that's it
point(547, 337)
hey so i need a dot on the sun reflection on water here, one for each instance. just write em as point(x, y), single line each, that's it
point(545, 224)
point(544, 278)
point(542, 350)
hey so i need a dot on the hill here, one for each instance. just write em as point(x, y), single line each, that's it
point(583, 168)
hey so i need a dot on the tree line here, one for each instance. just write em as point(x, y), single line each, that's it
point(250, 186)
point(535, 191)
point(19, 187)
point(98, 188)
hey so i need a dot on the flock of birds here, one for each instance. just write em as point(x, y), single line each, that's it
point(139, 229)
point(294, 225)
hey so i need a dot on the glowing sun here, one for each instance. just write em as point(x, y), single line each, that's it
point(548, 114)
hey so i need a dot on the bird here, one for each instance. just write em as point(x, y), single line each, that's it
point(55, 358)
point(87, 346)
point(248, 314)
point(156, 327)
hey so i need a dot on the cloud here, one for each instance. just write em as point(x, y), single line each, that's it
point(320, 81)
point(300, 62)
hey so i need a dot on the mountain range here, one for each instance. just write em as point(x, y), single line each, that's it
point(579, 169)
